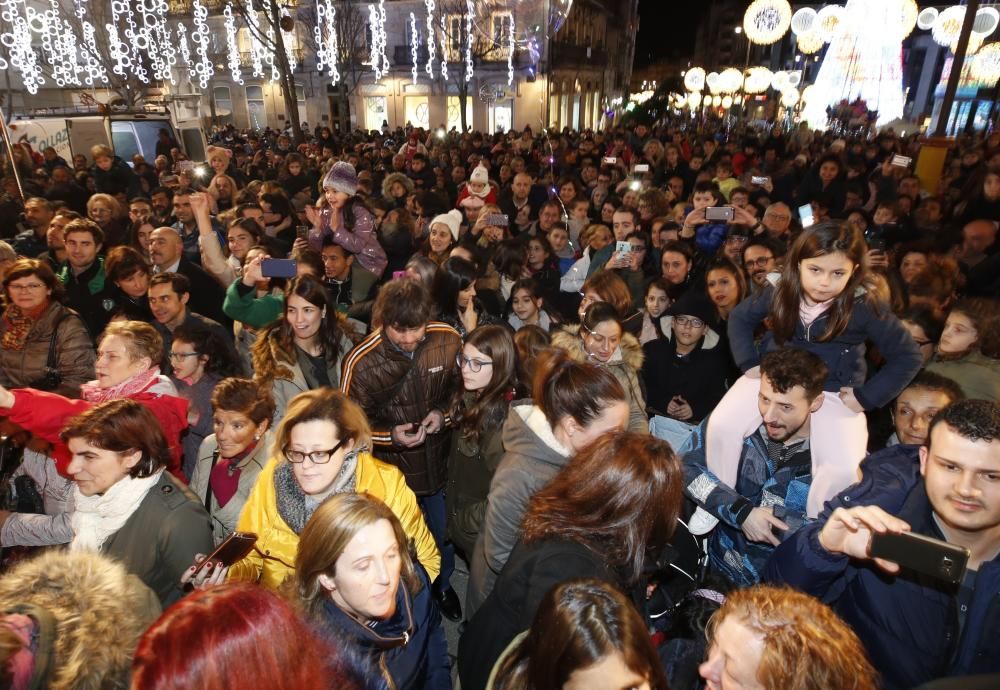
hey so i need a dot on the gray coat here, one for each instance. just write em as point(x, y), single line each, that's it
point(224, 519)
point(52, 527)
point(532, 458)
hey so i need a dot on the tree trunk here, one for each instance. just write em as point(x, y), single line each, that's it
point(285, 72)
point(463, 98)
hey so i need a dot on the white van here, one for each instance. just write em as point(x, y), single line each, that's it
point(127, 133)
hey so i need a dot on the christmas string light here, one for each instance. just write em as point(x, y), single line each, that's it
point(289, 47)
point(381, 17)
point(18, 44)
point(510, 51)
point(184, 48)
point(444, 49)
point(413, 45)
point(375, 61)
point(257, 50)
point(269, 58)
point(91, 65)
point(430, 38)
point(118, 50)
point(132, 34)
point(334, 45)
point(204, 67)
point(469, 9)
point(232, 48)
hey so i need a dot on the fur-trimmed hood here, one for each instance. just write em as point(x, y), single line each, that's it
point(391, 179)
point(100, 612)
point(629, 350)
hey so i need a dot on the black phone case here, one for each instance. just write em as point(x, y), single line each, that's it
point(922, 554)
point(236, 546)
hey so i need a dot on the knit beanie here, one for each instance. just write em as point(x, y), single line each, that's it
point(482, 176)
point(452, 219)
point(342, 178)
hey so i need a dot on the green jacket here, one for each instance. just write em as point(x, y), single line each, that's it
point(254, 311)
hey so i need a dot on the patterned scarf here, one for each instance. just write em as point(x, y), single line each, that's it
point(17, 325)
point(91, 392)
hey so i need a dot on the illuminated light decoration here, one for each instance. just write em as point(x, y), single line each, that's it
point(231, 47)
point(154, 39)
point(59, 46)
point(766, 21)
point(727, 102)
point(18, 43)
point(88, 51)
point(413, 45)
point(908, 17)
point(694, 79)
point(375, 59)
point(809, 43)
point(694, 99)
point(948, 25)
point(258, 53)
point(803, 21)
point(333, 44)
point(793, 78)
point(779, 81)
point(926, 18)
point(863, 61)
point(133, 39)
point(431, 43)
point(986, 21)
point(758, 80)
point(790, 98)
point(117, 50)
point(808, 93)
point(469, 11)
point(713, 82)
point(290, 45)
point(829, 21)
point(679, 100)
point(184, 48)
point(510, 52)
point(204, 68)
point(381, 18)
point(986, 64)
point(975, 43)
point(716, 101)
point(270, 57)
point(731, 80)
point(444, 50)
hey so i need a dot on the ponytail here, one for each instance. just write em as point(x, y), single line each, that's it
point(564, 387)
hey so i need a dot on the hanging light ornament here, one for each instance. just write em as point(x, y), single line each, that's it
point(510, 52)
point(731, 79)
point(803, 21)
point(908, 17)
point(758, 80)
point(18, 44)
point(790, 98)
point(809, 43)
point(716, 101)
point(378, 58)
point(975, 43)
point(444, 49)
point(184, 48)
point(327, 45)
point(766, 21)
point(413, 45)
point(470, 10)
point(727, 102)
point(431, 43)
point(986, 21)
point(808, 93)
point(829, 20)
point(232, 49)
point(779, 82)
point(88, 51)
point(204, 67)
point(986, 64)
point(948, 25)
point(713, 82)
point(694, 79)
point(926, 18)
point(694, 99)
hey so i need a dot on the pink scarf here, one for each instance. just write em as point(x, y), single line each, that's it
point(809, 313)
point(133, 385)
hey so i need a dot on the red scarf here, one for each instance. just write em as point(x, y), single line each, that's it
point(131, 386)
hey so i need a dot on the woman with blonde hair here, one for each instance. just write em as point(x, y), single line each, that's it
point(356, 579)
point(107, 212)
point(320, 450)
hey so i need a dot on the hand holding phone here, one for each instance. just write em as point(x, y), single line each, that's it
point(720, 213)
point(921, 554)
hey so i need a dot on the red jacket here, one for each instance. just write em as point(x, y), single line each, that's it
point(45, 414)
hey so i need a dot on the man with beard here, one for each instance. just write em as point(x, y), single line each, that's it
point(761, 255)
point(762, 500)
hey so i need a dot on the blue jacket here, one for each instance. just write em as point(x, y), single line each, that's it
point(908, 623)
point(844, 355)
point(409, 647)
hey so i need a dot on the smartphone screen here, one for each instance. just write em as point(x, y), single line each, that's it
point(806, 215)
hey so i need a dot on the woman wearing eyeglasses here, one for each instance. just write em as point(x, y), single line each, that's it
point(601, 340)
point(320, 450)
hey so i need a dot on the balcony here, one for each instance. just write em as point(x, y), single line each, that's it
point(566, 55)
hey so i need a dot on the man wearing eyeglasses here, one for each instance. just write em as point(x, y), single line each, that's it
point(760, 257)
point(404, 376)
point(777, 222)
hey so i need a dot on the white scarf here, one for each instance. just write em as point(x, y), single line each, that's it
point(95, 518)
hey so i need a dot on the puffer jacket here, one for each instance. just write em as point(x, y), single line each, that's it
point(74, 353)
point(224, 518)
point(908, 623)
point(531, 459)
point(394, 389)
point(277, 543)
point(409, 648)
point(625, 364)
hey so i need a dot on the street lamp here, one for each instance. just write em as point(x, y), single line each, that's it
point(738, 30)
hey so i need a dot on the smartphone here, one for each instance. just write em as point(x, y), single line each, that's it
point(806, 215)
point(720, 213)
point(278, 268)
point(623, 247)
point(397, 275)
point(875, 237)
point(899, 161)
point(497, 220)
point(922, 554)
point(302, 231)
point(185, 166)
point(641, 168)
point(609, 160)
point(235, 547)
point(754, 179)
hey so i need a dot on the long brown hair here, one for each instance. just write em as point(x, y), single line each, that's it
point(620, 496)
point(486, 410)
point(578, 623)
point(820, 240)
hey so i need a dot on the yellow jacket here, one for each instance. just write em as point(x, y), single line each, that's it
point(278, 544)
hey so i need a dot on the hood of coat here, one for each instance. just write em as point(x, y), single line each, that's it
point(528, 433)
point(100, 612)
point(629, 350)
point(393, 178)
point(708, 341)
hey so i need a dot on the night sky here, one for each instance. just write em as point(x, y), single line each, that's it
point(666, 29)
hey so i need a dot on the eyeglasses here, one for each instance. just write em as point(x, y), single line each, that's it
point(762, 262)
point(25, 288)
point(688, 321)
point(316, 457)
point(777, 217)
point(183, 355)
point(475, 365)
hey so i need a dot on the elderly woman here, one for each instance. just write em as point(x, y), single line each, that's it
point(230, 459)
point(106, 211)
point(42, 343)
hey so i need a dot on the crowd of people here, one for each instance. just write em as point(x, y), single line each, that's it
point(663, 391)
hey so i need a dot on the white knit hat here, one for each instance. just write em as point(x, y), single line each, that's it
point(452, 219)
point(480, 174)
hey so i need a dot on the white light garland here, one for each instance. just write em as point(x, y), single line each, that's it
point(766, 21)
point(809, 43)
point(926, 18)
point(431, 44)
point(204, 67)
point(469, 11)
point(327, 44)
point(231, 47)
point(184, 48)
point(385, 56)
point(117, 50)
point(510, 51)
point(91, 65)
point(829, 19)
point(444, 49)
point(948, 25)
point(18, 44)
point(258, 52)
point(375, 60)
point(290, 44)
point(694, 79)
point(413, 45)
point(986, 21)
point(908, 18)
point(986, 64)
